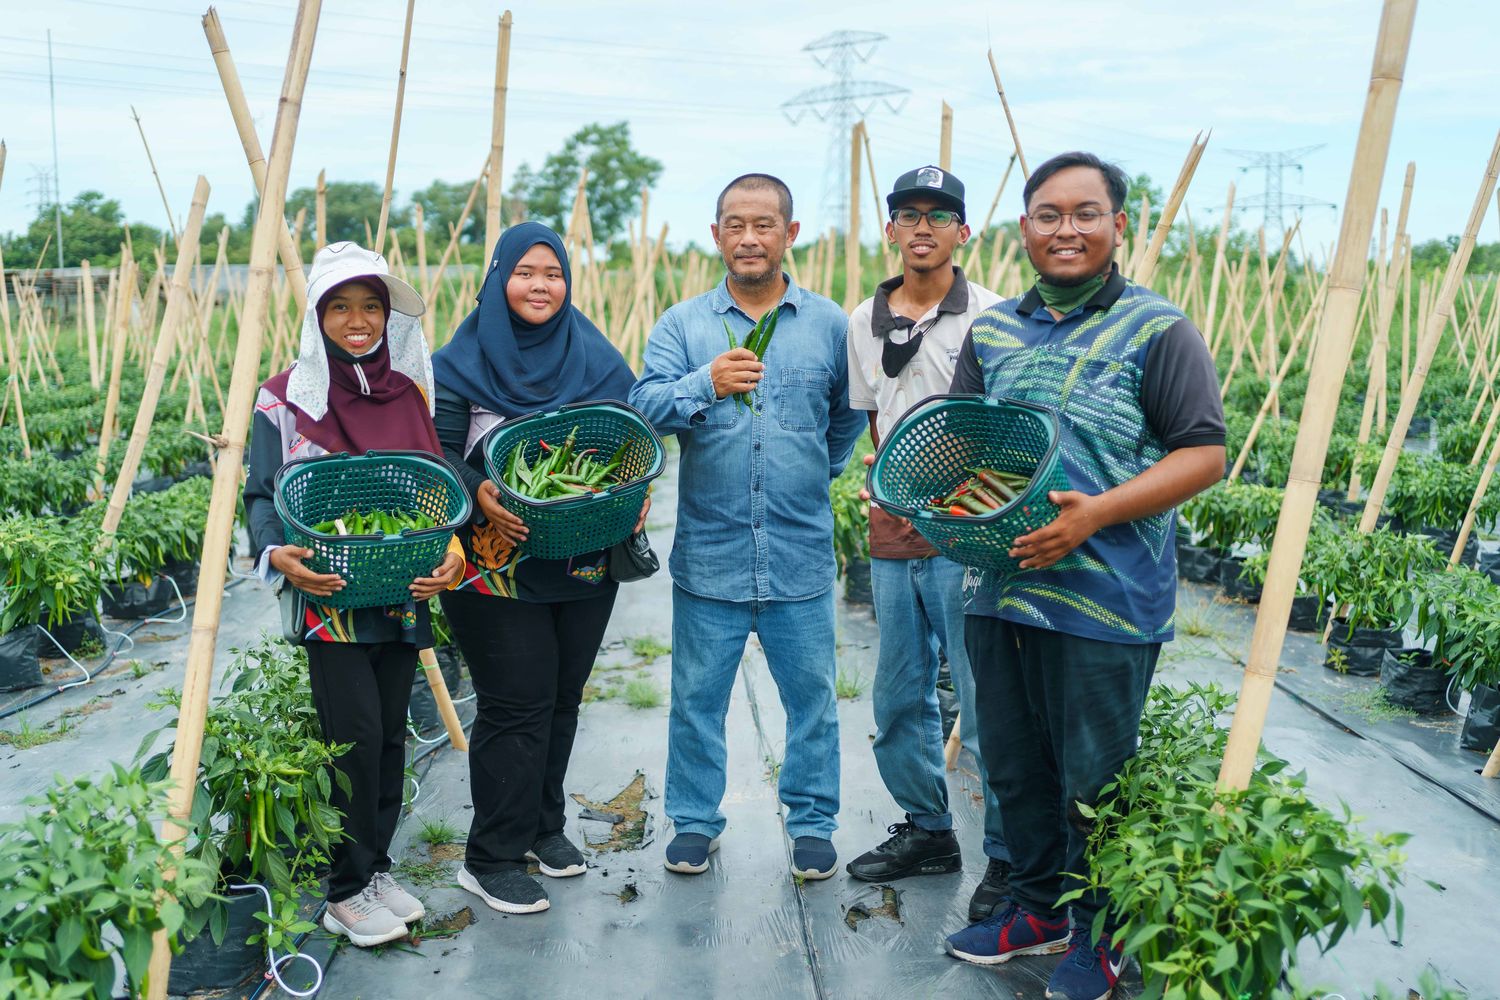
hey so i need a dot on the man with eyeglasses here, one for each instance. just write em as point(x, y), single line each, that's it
point(1063, 652)
point(903, 345)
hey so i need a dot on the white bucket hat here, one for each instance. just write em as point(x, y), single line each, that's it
point(307, 387)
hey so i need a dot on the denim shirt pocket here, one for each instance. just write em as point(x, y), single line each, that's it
point(723, 413)
point(803, 398)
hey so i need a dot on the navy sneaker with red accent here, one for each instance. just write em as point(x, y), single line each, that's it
point(1010, 932)
point(1088, 971)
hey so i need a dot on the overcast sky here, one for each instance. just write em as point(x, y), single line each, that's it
point(703, 89)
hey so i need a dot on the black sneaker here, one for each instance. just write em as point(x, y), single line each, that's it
point(509, 890)
point(557, 857)
point(991, 893)
point(910, 850)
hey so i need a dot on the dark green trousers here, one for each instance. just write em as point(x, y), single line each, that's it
point(1058, 716)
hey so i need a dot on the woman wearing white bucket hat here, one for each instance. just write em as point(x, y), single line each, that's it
point(362, 381)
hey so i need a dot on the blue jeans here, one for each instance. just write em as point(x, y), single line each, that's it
point(919, 607)
point(708, 640)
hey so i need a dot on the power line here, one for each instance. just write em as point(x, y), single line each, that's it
point(1274, 202)
point(841, 104)
point(56, 180)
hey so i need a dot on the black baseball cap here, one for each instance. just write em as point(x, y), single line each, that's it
point(928, 182)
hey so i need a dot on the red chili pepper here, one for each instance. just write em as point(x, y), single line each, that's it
point(956, 509)
point(544, 444)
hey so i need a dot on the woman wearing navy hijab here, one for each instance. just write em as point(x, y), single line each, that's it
point(528, 628)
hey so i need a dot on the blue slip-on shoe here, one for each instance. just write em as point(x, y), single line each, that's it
point(1088, 971)
point(813, 858)
point(1010, 932)
point(688, 853)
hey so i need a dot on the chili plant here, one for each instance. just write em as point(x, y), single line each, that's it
point(84, 881)
point(851, 515)
point(1234, 513)
point(1459, 610)
point(48, 571)
point(1369, 575)
point(262, 810)
point(1214, 891)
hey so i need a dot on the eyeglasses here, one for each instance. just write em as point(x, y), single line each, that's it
point(1085, 220)
point(938, 218)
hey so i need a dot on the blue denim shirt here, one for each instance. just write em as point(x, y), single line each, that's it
point(753, 519)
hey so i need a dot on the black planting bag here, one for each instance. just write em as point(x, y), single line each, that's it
point(1364, 651)
point(1411, 681)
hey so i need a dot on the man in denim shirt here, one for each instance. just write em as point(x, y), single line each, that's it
point(754, 542)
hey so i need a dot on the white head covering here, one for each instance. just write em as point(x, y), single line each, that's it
point(307, 386)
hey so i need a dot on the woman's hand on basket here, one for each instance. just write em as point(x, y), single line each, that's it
point(288, 560)
point(441, 579)
point(640, 522)
point(511, 527)
point(864, 494)
point(1075, 522)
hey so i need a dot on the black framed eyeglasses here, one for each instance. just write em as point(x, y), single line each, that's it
point(938, 218)
point(1085, 220)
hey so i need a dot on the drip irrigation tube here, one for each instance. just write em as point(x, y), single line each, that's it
point(108, 659)
point(274, 965)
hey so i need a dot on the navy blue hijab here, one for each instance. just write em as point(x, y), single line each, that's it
point(509, 366)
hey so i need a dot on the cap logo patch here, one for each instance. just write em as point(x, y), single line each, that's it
point(930, 177)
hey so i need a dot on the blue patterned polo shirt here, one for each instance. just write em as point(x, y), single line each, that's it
point(1130, 379)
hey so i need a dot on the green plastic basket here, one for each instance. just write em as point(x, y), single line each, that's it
point(571, 526)
point(929, 453)
point(377, 569)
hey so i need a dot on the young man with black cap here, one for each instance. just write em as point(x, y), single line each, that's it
point(903, 345)
point(1064, 653)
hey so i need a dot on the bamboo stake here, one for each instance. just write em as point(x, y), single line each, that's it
point(90, 327)
point(1015, 137)
point(440, 694)
point(116, 365)
point(989, 216)
point(1324, 387)
point(166, 339)
point(1137, 237)
point(1427, 347)
point(239, 108)
point(1308, 319)
point(269, 227)
point(853, 286)
point(945, 140)
point(390, 163)
point(497, 139)
point(15, 388)
point(887, 252)
point(1146, 269)
point(954, 744)
point(321, 207)
point(171, 222)
point(1245, 341)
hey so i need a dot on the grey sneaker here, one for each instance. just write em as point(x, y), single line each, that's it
point(407, 908)
point(363, 919)
point(556, 856)
point(509, 889)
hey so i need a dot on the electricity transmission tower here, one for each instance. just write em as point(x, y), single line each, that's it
point(841, 104)
point(1274, 202)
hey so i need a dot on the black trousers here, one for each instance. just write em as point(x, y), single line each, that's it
point(1058, 716)
point(528, 663)
point(360, 691)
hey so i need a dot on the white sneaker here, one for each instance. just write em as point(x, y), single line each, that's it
point(407, 908)
point(364, 920)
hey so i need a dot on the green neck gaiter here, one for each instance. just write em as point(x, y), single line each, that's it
point(1066, 298)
